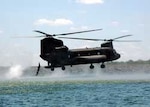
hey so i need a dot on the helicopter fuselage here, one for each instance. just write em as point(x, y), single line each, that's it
point(58, 55)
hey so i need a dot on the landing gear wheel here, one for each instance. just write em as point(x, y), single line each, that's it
point(63, 68)
point(91, 66)
point(52, 68)
point(103, 65)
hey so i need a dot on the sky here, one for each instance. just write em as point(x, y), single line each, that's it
point(115, 17)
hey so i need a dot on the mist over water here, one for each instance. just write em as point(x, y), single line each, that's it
point(112, 72)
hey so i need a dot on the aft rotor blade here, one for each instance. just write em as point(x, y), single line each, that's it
point(82, 39)
point(127, 40)
point(121, 37)
point(78, 32)
point(100, 39)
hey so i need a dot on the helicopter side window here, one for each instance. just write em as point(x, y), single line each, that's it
point(98, 53)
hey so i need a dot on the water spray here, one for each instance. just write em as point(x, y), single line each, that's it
point(15, 72)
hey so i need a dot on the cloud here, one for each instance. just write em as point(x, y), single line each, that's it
point(90, 1)
point(15, 54)
point(1, 31)
point(125, 31)
point(132, 51)
point(56, 22)
point(141, 25)
point(79, 28)
point(115, 23)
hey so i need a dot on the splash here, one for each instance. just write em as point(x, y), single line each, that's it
point(15, 71)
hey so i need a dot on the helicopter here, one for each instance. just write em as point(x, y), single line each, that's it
point(58, 55)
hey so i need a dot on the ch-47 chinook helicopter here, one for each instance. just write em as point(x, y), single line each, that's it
point(58, 55)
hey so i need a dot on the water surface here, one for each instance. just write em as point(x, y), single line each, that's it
point(112, 87)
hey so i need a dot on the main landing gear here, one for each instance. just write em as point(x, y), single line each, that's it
point(52, 68)
point(63, 68)
point(102, 66)
point(91, 66)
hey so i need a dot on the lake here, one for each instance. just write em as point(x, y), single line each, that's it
point(119, 85)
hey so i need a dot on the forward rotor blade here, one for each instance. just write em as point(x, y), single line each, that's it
point(50, 35)
point(121, 37)
point(46, 34)
point(27, 36)
point(40, 32)
point(77, 32)
point(82, 38)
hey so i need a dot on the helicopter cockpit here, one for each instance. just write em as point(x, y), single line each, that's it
point(48, 45)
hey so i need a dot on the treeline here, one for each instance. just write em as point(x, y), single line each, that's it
point(134, 62)
point(139, 61)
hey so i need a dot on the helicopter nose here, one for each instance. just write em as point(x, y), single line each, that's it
point(118, 56)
